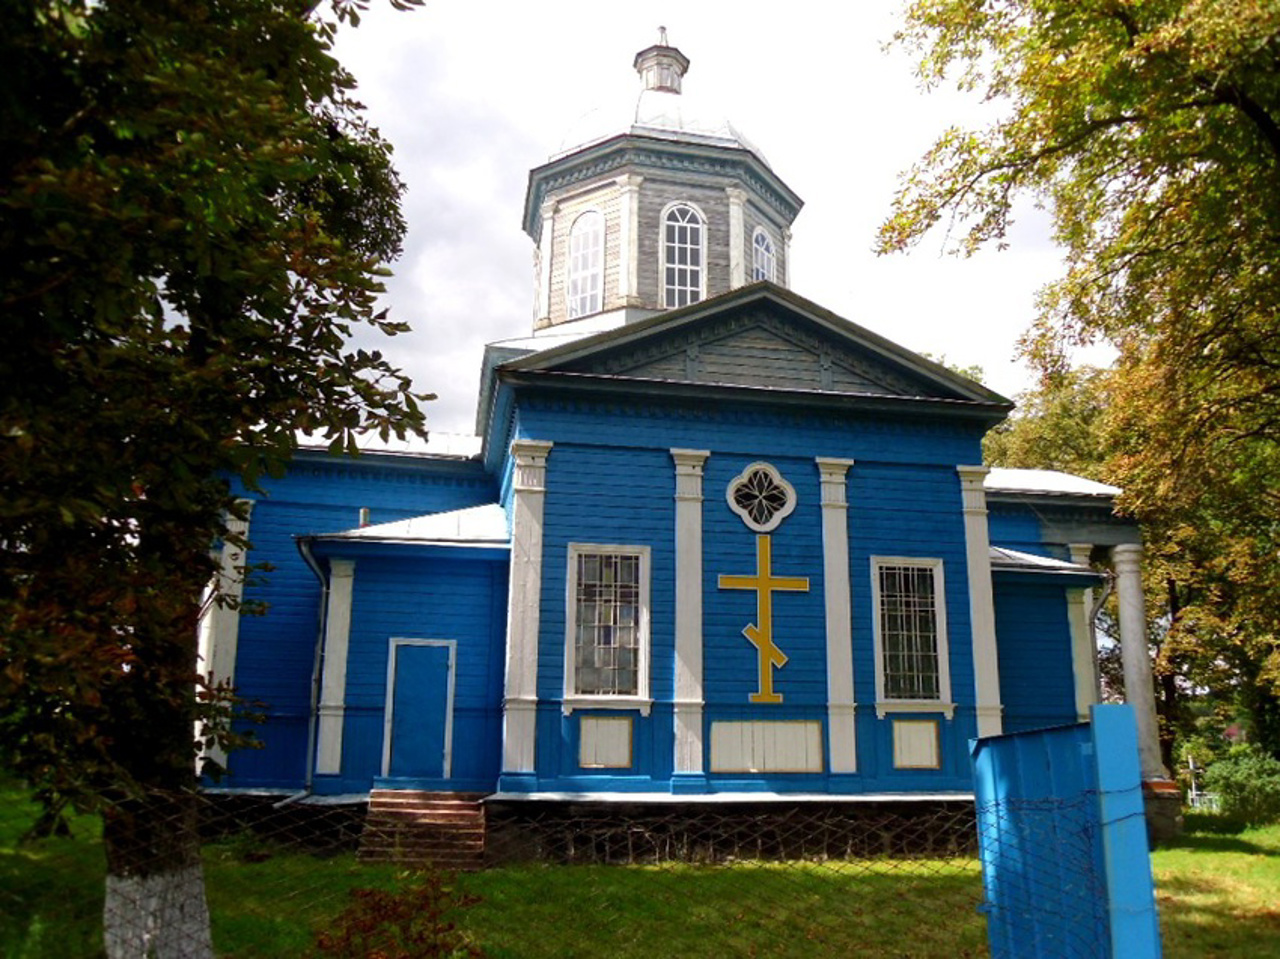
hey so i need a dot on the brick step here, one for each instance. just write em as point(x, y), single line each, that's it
point(424, 842)
point(443, 816)
point(379, 796)
point(424, 824)
point(446, 830)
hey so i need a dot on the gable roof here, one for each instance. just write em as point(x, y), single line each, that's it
point(759, 342)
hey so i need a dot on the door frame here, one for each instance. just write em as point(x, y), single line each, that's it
point(393, 649)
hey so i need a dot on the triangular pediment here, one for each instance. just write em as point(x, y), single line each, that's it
point(758, 349)
point(759, 337)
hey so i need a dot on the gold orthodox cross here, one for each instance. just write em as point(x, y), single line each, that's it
point(760, 633)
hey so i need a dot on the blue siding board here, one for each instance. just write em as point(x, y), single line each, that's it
point(1037, 681)
point(904, 501)
point(276, 650)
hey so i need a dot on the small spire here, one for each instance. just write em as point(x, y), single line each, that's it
point(661, 66)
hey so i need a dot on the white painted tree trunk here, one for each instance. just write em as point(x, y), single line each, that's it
point(162, 915)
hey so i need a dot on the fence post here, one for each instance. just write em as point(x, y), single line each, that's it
point(1131, 905)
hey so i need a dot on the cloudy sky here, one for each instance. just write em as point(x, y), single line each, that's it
point(473, 94)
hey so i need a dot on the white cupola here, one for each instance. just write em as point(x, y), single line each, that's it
point(652, 205)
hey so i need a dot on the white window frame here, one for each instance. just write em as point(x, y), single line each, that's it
point(944, 703)
point(578, 303)
point(764, 256)
point(641, 699)
point(668, 300)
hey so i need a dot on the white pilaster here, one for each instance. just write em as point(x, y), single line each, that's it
point(737, 237)
point(219, 630)
point(1084, 660)
point(842, 740)
point(629, 239)
point(545, 251)
point(520, 700)
point(784, 265)
point(1139, 688)
point(688, 702)
point(333, 682)
point(982, 610)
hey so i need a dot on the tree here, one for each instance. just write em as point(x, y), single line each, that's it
point(1151, 130)
point(193, 218)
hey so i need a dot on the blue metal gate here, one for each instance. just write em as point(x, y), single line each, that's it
point(1062, 836)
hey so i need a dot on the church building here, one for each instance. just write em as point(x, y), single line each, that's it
point(710, 539)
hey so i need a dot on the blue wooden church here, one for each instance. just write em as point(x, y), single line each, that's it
point(710, 541)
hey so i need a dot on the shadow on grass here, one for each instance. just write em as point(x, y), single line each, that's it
point(1199, 921)
point(1215, 844)
point(51, 898)
point(746, 909)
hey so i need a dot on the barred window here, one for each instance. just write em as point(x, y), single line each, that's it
point(586, 264)
point(608, 621)
point(683, 252)
point(763, 261)
point(910, 630)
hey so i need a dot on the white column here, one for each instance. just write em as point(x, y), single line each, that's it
point(520, 700)
point(545, 251)
point(219, 629)
point(629, 239)
point(982, 610)
point(688, 702)
point(1084, 660)
point(737, 237)
point(842, 741)
point(1139, 688)
point(333, 681)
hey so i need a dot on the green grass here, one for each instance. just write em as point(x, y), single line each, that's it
point(51, 890)
point(747, 909)
point(1218, 892)
point(1219, 895)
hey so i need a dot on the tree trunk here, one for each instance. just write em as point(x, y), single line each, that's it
point(155, 906)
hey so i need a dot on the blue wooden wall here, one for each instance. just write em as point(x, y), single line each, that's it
point(440, 594)
point(276, 650)
point(610, 479)
point(1037, 678)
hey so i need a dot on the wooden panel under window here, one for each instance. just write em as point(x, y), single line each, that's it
point(604, 742)
point(766, 747)
point(915, 744)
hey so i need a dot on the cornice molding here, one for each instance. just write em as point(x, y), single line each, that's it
point(628, 150)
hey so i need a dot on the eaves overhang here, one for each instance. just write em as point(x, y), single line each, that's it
point(1103, 501)
point(629, 150)
point(588, 384)
point(448, 465)
point(327, 547)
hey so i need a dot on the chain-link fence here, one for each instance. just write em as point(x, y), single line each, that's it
point(538, 879)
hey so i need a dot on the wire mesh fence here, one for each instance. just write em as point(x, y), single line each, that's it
point(1045, 888)
point(524, 879)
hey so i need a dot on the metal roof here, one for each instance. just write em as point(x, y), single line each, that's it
point(1006, 480)
point(474, 526)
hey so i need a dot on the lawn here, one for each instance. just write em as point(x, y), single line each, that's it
point(1219, 892)
point(1219, 895)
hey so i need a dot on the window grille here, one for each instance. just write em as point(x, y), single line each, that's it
point(909, 634)
point(683, 241)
